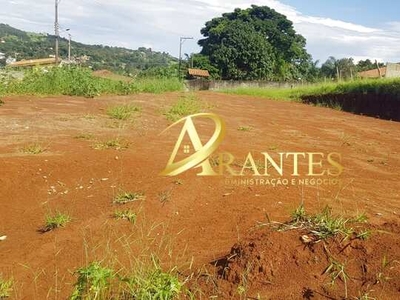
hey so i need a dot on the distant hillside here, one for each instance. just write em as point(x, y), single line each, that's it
point(25, 45)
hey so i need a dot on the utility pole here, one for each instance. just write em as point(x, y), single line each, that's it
point(57, 29)
point(181, 41)
point(69, 45)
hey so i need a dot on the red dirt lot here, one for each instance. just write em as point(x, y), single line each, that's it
point(205, 227)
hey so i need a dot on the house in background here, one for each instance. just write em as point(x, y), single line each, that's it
point(32, 62)
point(198, 73)
point(391, 70)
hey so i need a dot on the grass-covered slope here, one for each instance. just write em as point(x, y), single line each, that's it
point(376, 98)
point(374, 87)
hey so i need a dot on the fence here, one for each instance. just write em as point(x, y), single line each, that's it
point(214, 85)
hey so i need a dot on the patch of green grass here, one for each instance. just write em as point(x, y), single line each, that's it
point(6, 287)
point(122, 112)
point(324, 225)
point(299, 214)
point(84, 136)
point(245, 128)
point(126, 197)
point(377, 87)
point(126, 215)
point(57, 220)
point(186, 105)
point(93, 282)
point(34, 148)
point(116, 144)
point(156, 85)
point(152, 283)
point(89, 117)
point(79, 81)
point(146, 281)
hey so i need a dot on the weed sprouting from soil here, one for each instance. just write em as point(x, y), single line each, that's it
point(34, 149)
point(245, 128)
point(126, 215)
point(6, 287)
point(142, 278)
point(299, 214)
point(186, 105)
point(93, 282)
point(126, 197)
point(365, 296)
point(57, 220)
point(381, 276)
point(164, 196)
point(116, 144)
point(122, 112)
point(336, 270)
point(84, 136)
point(324, 225)
point(153, 283)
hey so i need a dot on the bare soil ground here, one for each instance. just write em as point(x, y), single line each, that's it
point(206, 228)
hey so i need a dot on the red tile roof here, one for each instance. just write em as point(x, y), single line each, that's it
point(199, 73)
point(33, 62)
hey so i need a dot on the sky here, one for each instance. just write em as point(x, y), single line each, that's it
point(358, 28)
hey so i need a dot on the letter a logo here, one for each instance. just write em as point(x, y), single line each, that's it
point(200, 159)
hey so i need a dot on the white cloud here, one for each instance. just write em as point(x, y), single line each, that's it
point(160, 23)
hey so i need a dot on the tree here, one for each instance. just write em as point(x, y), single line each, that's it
point(346, 68)
point(255, 43)
point(329, 68)
point(343, 68)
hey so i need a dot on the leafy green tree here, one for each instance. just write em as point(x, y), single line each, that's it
point(346, 68)
point(343, 68)
point(329, 68)
point(255, 43)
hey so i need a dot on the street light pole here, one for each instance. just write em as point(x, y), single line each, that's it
point(181, 41)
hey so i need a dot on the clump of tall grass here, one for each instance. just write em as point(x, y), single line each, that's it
point(122, 112)
point(186, 105)
point(325, 224)
point(6, 287)
point(146, 282)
